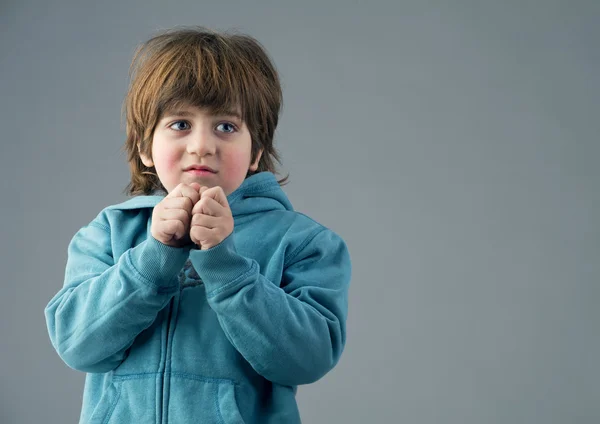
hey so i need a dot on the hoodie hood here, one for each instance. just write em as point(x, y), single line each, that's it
point(258, 193)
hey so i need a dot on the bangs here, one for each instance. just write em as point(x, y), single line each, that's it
point(207, 75)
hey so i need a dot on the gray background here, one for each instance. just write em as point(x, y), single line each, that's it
point(453, 144)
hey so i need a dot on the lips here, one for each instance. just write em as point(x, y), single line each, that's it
point(200, 168)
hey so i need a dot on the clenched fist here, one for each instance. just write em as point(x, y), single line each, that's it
point(212, 221)
point(171, 216)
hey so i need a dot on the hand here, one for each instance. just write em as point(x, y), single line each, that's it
point(171, 216)
point(212, 221)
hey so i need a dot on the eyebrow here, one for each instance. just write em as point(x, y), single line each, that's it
point(188, 113)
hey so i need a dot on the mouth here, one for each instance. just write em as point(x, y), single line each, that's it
point(197, 168)
point(200, 172)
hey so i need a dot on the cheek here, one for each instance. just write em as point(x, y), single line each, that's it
point(237, 162)
point(165, 159)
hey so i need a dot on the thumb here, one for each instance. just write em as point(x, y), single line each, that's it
point(176, 192)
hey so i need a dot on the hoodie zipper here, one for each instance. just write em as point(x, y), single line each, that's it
point(166, 367)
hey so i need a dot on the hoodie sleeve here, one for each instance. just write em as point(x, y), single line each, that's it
point(291, 334)
point(104, 304)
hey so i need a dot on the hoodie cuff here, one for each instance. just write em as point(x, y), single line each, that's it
point(221, 268)
point(157, 263)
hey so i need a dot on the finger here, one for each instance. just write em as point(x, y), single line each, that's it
point(202, 190)
point(184, 190)
point(172, 229)
point(191, 193)
point(174, 214)
point(201, 235)
point(207, 221)
point(176, 192)
point(218, 194)
point(209, 206)
point(182, 203)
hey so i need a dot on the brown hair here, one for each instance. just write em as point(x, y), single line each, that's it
point(218, 71)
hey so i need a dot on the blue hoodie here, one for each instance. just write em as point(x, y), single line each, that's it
point(181, 335)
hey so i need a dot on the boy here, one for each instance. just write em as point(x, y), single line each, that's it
point(205, 298)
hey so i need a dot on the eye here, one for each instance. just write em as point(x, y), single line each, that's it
point(177, 125)
point(227, 127)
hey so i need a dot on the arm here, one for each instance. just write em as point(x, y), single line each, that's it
point(293, 334)
point(104, 305)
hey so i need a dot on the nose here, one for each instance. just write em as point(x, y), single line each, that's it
point(201, 142)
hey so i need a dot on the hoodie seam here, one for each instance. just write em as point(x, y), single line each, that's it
point(143, 279)
point(101, 226)
point(305, 243)
point(113, 405)
point(241, 278)
point(183, 375)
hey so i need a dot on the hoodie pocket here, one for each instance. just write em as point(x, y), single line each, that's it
point(195, 399)
point(127, 400)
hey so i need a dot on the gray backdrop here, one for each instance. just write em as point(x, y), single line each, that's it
point(453, 144)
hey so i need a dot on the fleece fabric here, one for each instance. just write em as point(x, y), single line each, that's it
point(182, 335)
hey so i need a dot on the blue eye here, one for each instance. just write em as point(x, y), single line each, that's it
point(229, 125)
point(178, 128)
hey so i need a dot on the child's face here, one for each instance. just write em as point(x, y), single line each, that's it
point(191, 136)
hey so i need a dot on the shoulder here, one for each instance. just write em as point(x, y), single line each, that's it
point(137, 207)
point(305, 235)
point(138, 202)
point(116, 227)
point(316, 252)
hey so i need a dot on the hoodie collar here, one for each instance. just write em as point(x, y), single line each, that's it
point(258, 193)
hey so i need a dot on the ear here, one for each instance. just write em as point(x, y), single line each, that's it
point(146, 160)
point(254, 165)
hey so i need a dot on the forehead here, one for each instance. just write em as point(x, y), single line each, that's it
point(190, 110)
